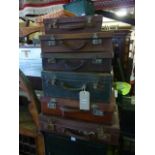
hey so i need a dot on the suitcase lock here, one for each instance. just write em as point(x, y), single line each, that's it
point(89, 21)
point(52, 41)
point(97, 112)
point(52, 103)
point(51, 60)
point(96, 40)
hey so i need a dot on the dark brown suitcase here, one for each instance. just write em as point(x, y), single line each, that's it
point(73, 24)
point(108, 134)
point(98, 113)
point(79, 62)
point(81, 42)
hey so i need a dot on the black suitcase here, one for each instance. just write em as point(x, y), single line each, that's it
point(69, 84)
point(60, 145)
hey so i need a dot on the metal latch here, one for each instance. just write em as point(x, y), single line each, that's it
point(54, 23)
point(89, 21)
point(97, 61)
point(96, 40)
point(51, 60)
point(52, 41)
point(97, 112)
point(52, 103)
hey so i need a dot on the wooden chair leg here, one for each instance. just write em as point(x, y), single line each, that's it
point(40, 144)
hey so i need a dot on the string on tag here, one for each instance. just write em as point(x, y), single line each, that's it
point(84, 88)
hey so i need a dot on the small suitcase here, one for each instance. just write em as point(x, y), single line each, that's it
point(81, 42)
point(69, 84)
point(79, 62)
point(73, 24)
point(108, 134)
point(98, 113)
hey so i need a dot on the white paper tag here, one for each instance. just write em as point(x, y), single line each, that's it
point(116, 93)
point(84, 97)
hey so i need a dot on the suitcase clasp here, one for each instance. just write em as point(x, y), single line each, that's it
point(97, 61)
point(96, 40)
point(97, 112)
point(89, 21)
point(52, 103)
point(51, 60)
point(52, 41)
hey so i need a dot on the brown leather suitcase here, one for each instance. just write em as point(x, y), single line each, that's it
point(79, 62)
point(81, 42)
point(103, 133)
point(67, 108)
point(73, 24)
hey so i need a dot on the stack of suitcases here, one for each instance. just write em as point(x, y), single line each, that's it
point(78, 102)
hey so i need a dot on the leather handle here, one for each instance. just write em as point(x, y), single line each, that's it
point(56, 82)
point(68, 109)
point(73, 133)
point(73, 26)
point(87, 23)
point(69, 67)
point(74, 47)
point(71, 88)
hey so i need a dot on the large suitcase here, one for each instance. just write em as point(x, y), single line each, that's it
point(102, 133)
point(73, 24)
point(62, 145)
point(98, 113)
point(79, 62)
point(69, 84)
point(81, 42)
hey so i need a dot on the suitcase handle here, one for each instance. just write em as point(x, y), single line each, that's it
point(69, 68)
point(73, 47)
point(87, 23)
point(67, 109)
point(71, 88)
point(73, 26)
point(84, 136)
point(66, 86)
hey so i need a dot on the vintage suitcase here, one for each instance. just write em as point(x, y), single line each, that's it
point(56, 144)
point(87, 131)
point(81, 42)
point(73, 24)
point(79, 62)
point(69, 84)
point(98, 113)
